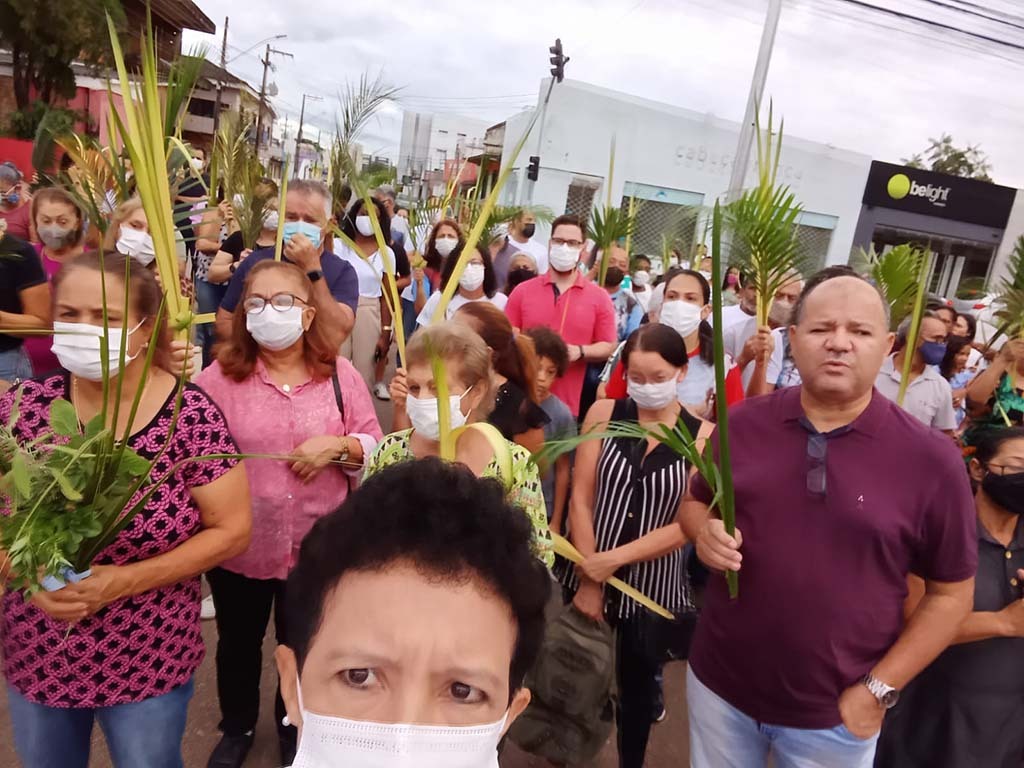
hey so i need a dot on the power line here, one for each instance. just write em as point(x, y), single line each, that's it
point(978, 14)
point(936, 24)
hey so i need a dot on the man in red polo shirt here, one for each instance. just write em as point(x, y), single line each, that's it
point(840, 494)
point(564, 300)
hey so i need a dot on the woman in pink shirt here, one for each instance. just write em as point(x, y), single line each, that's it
point(60, 228)
point(283, 390)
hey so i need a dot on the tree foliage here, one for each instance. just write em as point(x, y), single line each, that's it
point(46, 36)
point(943, 156)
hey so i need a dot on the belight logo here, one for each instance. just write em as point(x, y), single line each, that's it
point(901, 185)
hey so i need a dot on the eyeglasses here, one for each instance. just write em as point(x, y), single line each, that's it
point(570, 243)
point(817, 469)
point(282, 302)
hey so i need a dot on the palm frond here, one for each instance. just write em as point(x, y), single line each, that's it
point(896, 273)
point(182, 76)
point(763, 226)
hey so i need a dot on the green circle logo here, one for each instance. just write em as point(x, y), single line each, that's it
point(899, 186)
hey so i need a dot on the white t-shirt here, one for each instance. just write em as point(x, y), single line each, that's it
point(734, 338)
point(538, 250)
point(731, 316)
point(499, 300)
point(369, 270)
point(928, 398)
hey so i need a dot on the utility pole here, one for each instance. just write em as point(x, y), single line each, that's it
point(263, 92)
point(302, 119)
point(220, 83)
point(764, 57)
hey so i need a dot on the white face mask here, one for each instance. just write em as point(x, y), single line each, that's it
point(271, 221)
point(364, 226)
point(445, 245)
point(331, 742)
point(705, 275)
point(682, 316)
point(78, 350)
point(472, 277)
point(275, 330)
point(780, 312)
point(642, 278)
point(197, 163)
point(136, 244)
point(422, 412)
point(563, 258)
point(653, 397)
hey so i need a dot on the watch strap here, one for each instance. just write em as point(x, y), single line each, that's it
point(885, 694)
point(315, 274)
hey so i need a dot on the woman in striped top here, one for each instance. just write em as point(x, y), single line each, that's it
point(625, 502)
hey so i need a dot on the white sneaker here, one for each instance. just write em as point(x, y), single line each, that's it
point(207, 611)
point(380, 391)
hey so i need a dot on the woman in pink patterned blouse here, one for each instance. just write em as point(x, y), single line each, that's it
point(122, 645)
point(284, 391)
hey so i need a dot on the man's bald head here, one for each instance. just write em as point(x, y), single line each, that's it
point(834, 273)
point(840, 337)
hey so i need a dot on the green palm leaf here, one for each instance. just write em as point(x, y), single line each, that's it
point(763, 226)
point(897, 274)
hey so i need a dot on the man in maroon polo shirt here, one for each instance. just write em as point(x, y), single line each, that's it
point(564, 300)
point(839, 495)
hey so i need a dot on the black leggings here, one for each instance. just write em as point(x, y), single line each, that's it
point(243, 610)
point(639, 691)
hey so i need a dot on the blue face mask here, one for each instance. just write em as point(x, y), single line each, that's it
point(932, 352)
point(312, 231)
point(13, 197)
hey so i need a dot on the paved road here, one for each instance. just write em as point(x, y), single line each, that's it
point(668, 747)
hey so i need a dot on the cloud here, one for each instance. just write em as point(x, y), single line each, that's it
point(858, 80)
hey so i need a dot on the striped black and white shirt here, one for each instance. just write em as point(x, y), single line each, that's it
point(635, 495)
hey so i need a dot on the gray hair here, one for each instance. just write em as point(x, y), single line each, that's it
point(386, 190)
point(904, 327)
point(310, 187)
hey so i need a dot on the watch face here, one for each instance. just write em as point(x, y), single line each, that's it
point(890, 698)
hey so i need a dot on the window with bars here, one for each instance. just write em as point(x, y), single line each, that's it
point(579, 201)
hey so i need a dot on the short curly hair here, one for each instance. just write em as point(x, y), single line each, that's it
point(445, 521)
point(549, 344)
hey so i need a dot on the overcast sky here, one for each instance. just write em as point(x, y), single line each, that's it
point(857, 79)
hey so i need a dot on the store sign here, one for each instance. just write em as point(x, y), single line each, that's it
point(936, 194)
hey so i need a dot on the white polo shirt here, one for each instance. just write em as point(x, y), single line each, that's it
point(368, 270)
point(929, 398)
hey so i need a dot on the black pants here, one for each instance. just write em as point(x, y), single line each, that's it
point(243, 610)
point(639, 690)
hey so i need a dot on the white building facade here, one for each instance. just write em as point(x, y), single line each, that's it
point(674, 163)
point(431, 140)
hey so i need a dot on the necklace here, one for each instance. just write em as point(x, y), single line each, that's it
point(287, 388)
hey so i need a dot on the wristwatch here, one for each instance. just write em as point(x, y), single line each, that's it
point(343, 456)
point(314, 275)
point(232, 267)
point(886, 695)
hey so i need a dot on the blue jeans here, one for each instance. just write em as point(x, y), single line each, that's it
point(146, 734)
point(14, 364)
point(723, 737)
point(208, 299)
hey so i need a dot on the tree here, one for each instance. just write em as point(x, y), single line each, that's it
point(942, 156)
point(46, 36)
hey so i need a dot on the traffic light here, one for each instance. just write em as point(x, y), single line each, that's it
point(533, 169)
point(558, 60)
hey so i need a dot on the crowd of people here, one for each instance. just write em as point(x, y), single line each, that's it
point(879, 544)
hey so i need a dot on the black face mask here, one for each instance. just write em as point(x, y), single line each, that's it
point(517, 276)
point(613, 277)
point(1006, 490)
point(529, 229)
